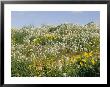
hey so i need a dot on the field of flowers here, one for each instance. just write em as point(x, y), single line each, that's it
point(65, 50)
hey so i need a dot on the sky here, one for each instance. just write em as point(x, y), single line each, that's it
point(37, 18)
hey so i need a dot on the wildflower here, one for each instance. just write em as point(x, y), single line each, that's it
point(50, 36)
point(91, 53)
point(93, 62)
point(87, 55)
point(84, 60)
point(81, 63)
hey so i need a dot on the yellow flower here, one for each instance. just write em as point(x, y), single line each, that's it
point(37, 41)
point(91, 53)
point(50, 36)
point(93, 62)
point(87, 55)
point(81, 63)
point(84, 60)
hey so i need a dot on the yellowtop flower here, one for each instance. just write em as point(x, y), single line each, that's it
point(84, 60)
point(36, 41)
point(88, 54)
point(91, 53)
point(81, 63)
point(50, 36)
point(93, 61)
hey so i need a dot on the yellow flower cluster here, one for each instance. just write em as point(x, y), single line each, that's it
point(87, 55)
point(50, 36)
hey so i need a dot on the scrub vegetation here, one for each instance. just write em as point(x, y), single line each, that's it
point(65, 50)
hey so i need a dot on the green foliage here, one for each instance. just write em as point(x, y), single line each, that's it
point(18, 36)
